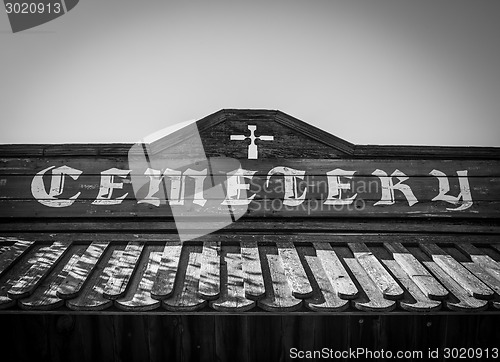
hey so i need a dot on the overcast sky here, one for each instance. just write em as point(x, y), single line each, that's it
point(371, 72)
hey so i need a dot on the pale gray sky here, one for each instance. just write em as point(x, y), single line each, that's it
point(371, 72)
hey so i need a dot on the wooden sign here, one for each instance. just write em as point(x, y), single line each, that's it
point(252, 164)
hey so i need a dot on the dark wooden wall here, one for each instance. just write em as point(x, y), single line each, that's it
point(61, 337)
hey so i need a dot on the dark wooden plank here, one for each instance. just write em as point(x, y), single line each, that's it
point(232, 296)
point(485, 261)
point(13, 209)
point(185, 296)
point(376, 271)
point(11, 276)
point(458, 272)
point(91, 297)
point(328, 299)
point(414, 300)
point(45, 295)
point(13, 252)
point(488, 277)
point(252, 271)
point(43, 262)
point(416, 271)
point(314, 186)
point(319, 225)
point(294, 271)
point(464, 301)
point(163, 285)
point(335, 271)
point(362, 167)
point(117, 283)
point(72, 284)
point(138, 295)
point(279, 297)
point(372, 299)
point(209, 287)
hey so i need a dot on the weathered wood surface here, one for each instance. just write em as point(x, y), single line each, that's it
point(78, 274)
point(461, 298)
point(232, 295)
point(342, 275)
point(41, 265)
point(416, 271)
point(30, 166)
point(327, 297)
point(407, 226)
point(138, 296)
point(13, 252)
point(279, 295)
point(371, 299)
point(81, 209)
point(314, 187)
point(458, 272)
point(413, 300)
point(185, 296)
point(209, 287)
point(252, 271)
point(45, 296)
point(335, 271)
point(118, 282)
point(163, 285)
point(294, 271)
point(381, 278)
point(91, 298)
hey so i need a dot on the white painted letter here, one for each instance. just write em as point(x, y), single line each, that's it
point(108, 185)
point(199, 179)
point(444, 188)
point(56, 186)
point(388, 188)
point(291, 193)
point(335, 187)
point(235, 184)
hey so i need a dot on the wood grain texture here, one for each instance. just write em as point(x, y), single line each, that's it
point(138, 296)
point(485, 261)
point(163, 285)
point(376, 271)
point(232, 296)
point(294, 271)
point(458, 272)
point(491, 279)
point(84, 209)
point(279, 297)
point(462, 300)
point(12, 275)
point(185, 296)
point(118, 282)
point(326, 298)
point(13, 252)
point(252, 271)
point(78, 274)
point(29, 166)
point(41, 265)
point(92, 297)
point(335, 271)
point(414, 300)
point(416, 272)
point(371, 299)
point(209, 287)
point(45, 295)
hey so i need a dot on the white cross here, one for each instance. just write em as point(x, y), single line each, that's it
point(252, 147)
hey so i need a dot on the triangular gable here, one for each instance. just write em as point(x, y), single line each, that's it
point(253, 134)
